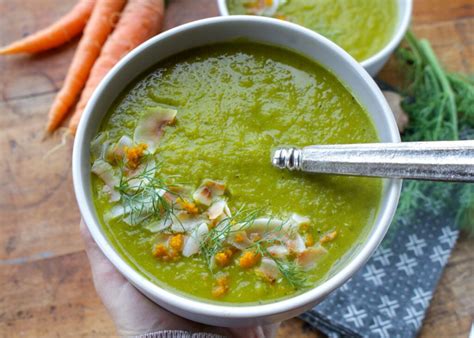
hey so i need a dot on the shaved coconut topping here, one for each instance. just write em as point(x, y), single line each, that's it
point(268, 269)
point(109, 176)
point(207, 191)
point(266, 224)
point(203, 196)
point(184, 222)
point(148, 167)
point(218, 209)
point(115, 212)
point(150, 127)
point(160, 225)
point(117, 150)
point(300, 220)
point(278, 251)
point(309, 257)
point(99, 146)
point(217, 187)
point(193, 242)
point(240, 240)
point(296, 245)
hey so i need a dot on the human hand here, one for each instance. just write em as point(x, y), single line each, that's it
point(134, 314)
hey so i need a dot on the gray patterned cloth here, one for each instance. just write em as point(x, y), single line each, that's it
point(389, 296)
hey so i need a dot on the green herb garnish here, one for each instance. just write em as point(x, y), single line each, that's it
point(441, 107)
point(146, 199)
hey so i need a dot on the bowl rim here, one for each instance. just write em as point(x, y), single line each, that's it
point(404, 17)
point(203, 307)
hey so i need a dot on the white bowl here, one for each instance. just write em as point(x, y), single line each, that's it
point(374, 63)
point(224, 29)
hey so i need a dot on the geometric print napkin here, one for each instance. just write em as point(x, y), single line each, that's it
point(389, 296)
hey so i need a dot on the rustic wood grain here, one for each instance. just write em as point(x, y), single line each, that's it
point(46, 287)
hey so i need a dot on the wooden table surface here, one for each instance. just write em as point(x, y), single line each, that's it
point(45, 282)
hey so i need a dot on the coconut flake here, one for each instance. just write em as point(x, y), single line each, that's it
point(108, 175)
point(268, 269)
point(263, 225)
point(278, 251)
point(309, 257)
point(117, 150)
point(99, 146)
point(218, 209)
point(208, 191)
point(184, 222)
point(150, 127)
point(296, 244)
point(203, 196)
point(136, 182)
point(160, 225)
point(244, 241)
point(193, 242)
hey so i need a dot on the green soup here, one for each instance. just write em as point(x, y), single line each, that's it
point(361, 27)
point(233, 103)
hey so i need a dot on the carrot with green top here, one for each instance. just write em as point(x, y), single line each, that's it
point(63, 30)
point(101, 23)
point(140, 20)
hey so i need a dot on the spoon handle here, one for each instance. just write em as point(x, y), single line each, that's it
point(436, 161)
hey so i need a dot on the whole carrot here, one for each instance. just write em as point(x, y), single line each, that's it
point(55, 35)
point(140, 20)
point(96, 32)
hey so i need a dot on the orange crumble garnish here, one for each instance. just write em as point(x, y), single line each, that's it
point(223, 258)
point(189, 207)
point(222, 287)
point(248, 259)
point(159, 250)
point(239, 237)
point(176, 242)
point(328, 237)
point(134, 154)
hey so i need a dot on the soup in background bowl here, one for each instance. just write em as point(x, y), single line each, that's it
point(182, 197)
point(369, 30)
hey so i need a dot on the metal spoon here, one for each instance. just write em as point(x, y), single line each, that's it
point(436, 161)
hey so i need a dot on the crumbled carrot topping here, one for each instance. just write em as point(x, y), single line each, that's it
point(159, 250)
point(223, 258)
point(328, 237)
point(135, 154)
point(176, 242)
point(167, 254)
point(248, 259)
point(239, 237)
point(309, 240)
point(190, 207)
point(221, 287)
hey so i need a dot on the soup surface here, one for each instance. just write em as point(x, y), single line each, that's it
point(183, 183)
point(361, 27)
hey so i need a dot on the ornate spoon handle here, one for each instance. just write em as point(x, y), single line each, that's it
point(436, 161)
